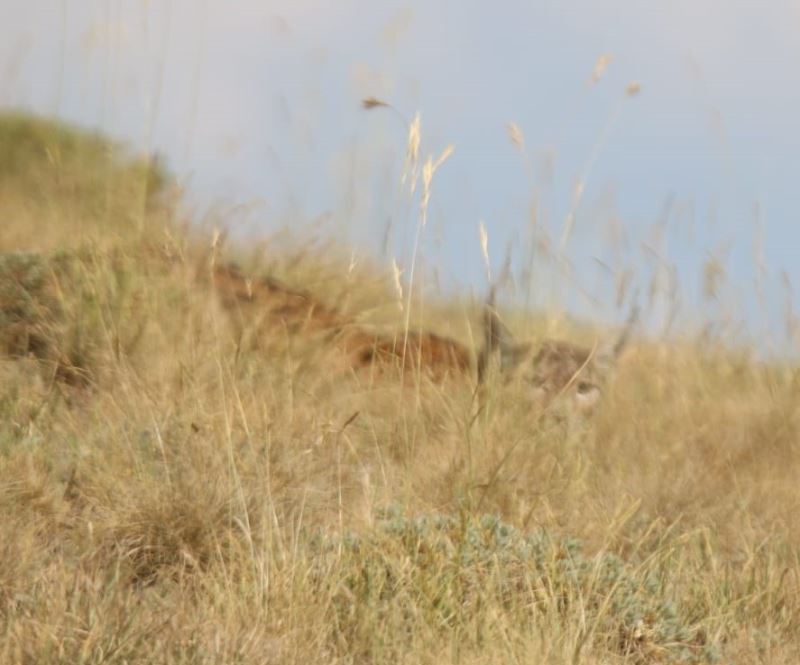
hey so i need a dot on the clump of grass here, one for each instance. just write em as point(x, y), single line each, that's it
point(168, 530)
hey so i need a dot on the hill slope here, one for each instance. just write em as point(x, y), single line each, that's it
point(172, 495)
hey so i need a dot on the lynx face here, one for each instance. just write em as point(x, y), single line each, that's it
point(556, 370)
point(553, 370)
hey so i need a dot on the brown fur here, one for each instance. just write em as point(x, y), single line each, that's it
point(553, 368)
point(272, 302)
point(269, 303)
point(439, 355)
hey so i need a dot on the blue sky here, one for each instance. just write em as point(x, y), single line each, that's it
point(258, 103)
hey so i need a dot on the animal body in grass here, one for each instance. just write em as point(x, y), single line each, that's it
point(552, 370)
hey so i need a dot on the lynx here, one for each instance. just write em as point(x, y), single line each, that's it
point(553, 369)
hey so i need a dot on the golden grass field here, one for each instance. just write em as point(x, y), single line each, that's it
point(183, 485)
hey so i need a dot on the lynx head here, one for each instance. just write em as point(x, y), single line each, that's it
point(553, 369)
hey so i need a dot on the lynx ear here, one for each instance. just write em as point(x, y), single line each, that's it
point(609, 355)
point(625, 334)
point(496, 337)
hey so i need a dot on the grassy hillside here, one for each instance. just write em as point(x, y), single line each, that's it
point(169, 494)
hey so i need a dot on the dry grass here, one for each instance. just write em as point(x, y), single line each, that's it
point(196, 500)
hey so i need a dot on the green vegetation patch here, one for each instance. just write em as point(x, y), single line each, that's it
point(47, 158)
point(69, 309)
point(446, 573)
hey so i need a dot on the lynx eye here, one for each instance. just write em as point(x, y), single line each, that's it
point(584, 388)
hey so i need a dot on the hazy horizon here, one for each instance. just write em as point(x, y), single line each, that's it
point(259, 103)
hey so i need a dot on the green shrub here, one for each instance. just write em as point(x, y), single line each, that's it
point(69, 310)
point(443, 572)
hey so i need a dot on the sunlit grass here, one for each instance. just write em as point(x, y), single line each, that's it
point(171, 494)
